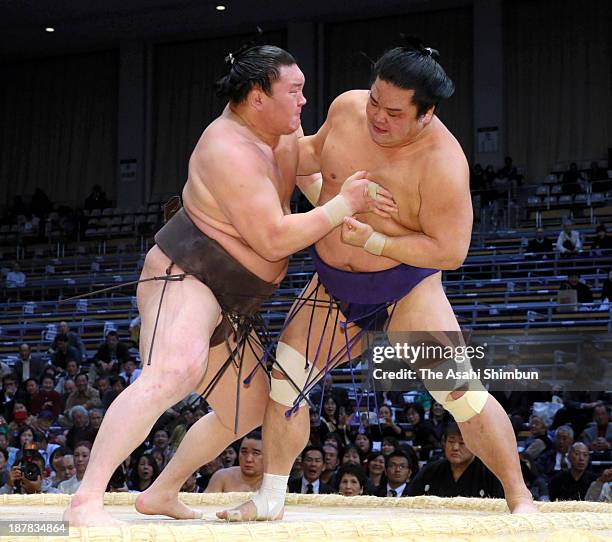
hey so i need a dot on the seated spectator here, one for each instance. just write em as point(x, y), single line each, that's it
point(313, 461)
point(63, 353)
point(191, 484)
point(28, 476)
point(81, 430)
point(598, 437)
point(247, 476)
point(376, 472)
point(206, 472)
point(421, 430)
point(389, 445)
point(350, 454)
point(8, 395)
point(15, 278)
point(47, 398)
point(398, 471)
point(117, 385)
point(42, 423)
point(327, 388)
point(31, 388)
point(71, 371)
point(569, 243)
point(331, 465)
point(96, 415)
point(97, 199)
point(540, 244)
point(144, 473)
point(439, 419)
point(351, 480)
point(509, 171)
point(28, 365)
point(84, 394)
point(330, 413)
point(572, 180)
point(572, 484)
point(74, 340)
point(556, 459)
point(69, 470)
point(4, 470)
point(539, 441)
point(82, 452)
point(458, 474)
point(584, 293)
point(318, 430)
point(56, 464)
point(363, 444)
point(386, 427)
point(601, 489)
point(110, 355)
point(601, 241)
point(334, 439)
point(130, 372)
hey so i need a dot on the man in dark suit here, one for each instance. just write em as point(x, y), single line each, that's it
point(28, 365)
point(398, 471)
point(572, 484)
point(313, 461)
point(458, 474)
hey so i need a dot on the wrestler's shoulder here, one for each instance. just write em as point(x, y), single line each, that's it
point(223, 145)
point(350, 101)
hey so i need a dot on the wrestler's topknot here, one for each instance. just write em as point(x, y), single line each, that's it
point(414, 66)
point(257, 66)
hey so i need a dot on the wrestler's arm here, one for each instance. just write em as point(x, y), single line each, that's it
point(215, 484)
point(248, 198)
point(445, 217)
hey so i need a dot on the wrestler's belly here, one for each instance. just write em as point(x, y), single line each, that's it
point(334, 252)
point(269, 271)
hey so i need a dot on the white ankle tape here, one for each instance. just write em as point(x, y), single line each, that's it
point(270, 498)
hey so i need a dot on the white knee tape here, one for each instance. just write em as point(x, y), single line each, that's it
point(471, 403)
point(293, 364)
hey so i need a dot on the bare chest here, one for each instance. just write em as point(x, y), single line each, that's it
point(350, 149)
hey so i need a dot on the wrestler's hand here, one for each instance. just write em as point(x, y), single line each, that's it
point(355, 233)
point(363, 194)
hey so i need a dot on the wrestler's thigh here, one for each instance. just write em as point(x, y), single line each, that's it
point(189, 313)
point(316, 327)
point(425, 308)
point(223, 396)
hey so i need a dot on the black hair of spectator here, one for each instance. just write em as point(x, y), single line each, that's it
point(134, 474)
point(9, 378)
point(81, 374)
point(28, 380)
point(112, 333)
point(44, 376)
point(61, 451)
point(347, 449)
point(416, 406)
point(311, 448)
point(84, 443)
point(257, 67)
point(412, 69)
point(356, 470)
point(254, 435)
point(398, 453)
point(61, 337)
point(4, 453)
point(451, 429)
point(391, 440)
point(335, 436)
point(36, 456)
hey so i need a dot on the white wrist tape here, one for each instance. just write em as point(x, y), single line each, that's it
point(313, 191)
point(337, 208)
point(375, 243)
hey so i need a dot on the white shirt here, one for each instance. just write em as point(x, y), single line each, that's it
point(399, 490)
point(315, 485)
point(558, 461)
point(574, 237)
point(26, 369)
point(69, 486)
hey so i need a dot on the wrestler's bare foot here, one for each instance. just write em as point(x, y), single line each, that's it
point(88, 511)
point(522, 504)
point(154, 502)
point(244, 512)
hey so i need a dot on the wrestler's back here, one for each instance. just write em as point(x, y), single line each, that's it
point(205, 211)
point(348, 148)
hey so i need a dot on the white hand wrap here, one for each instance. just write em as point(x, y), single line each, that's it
point(313, 191)
point(375, 243)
